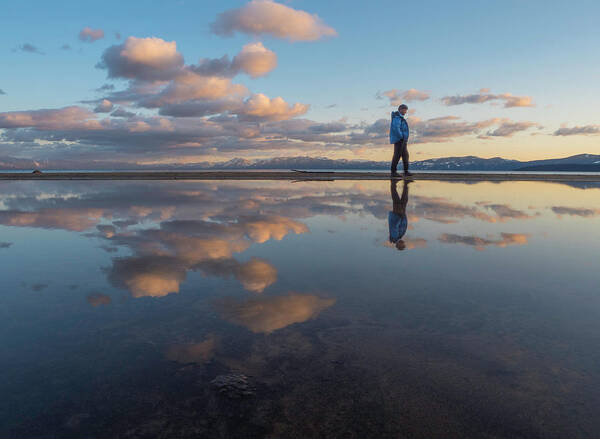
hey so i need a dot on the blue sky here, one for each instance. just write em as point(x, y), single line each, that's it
point(545, 51)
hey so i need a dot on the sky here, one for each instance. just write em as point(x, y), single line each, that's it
point(186, 81)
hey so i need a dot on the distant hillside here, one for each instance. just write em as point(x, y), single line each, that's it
point(562, 168)
point(578, 163)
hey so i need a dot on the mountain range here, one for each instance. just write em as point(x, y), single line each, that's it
point(578, 163)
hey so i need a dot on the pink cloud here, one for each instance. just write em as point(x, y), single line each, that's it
point(255, 60)
point(584, 130)
point(150, 59)
point(484, 96)
point(261, 107)
point(50, 119)
point(89, 35)
point(189, 86)
point(397, 97)
point(265, 315)
point(260, 17)
point(105, 106)
point(480, 243)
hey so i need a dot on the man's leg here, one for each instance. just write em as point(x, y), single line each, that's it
point(396, 157)
point(405, 154)
point(404, 198)
point(395, 197)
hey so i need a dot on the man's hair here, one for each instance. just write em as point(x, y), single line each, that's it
point(402, 106)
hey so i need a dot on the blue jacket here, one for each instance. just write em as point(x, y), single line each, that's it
point(398, 128)
point(398, 225)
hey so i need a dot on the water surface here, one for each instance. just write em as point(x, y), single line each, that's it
point(281, 309)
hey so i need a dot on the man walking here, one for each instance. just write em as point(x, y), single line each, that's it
point(399, 137)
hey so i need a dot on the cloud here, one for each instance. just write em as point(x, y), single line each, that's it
point(163, 256)
point(575, 211)
point(223, 97)
point(150, 59)
point(516, 101)
point(261, 107)
point(98, 299)
point(5, 244)
point(105, 106)
point(585, 130)
point(29, 48)
point(107, 230)
point(199, 107)
point(2, 92)
point(260, 17)
point(199, 352)
point(442, 129)
point(39, 287)
point(505, 212)
point(105, 87)
point(52, 218)
point(90, 35)
point(120, 112)
point(267, 314)
point(413, 243)
point(148, 276)
point(482, 97)
point(254, 59)
point(508, 128)
point(197, 110)
point(50, 119)
point(255, 275)
point(480, 243)
point(397, 97)
point(65, 47)
point(188, 86)
point(159, 275)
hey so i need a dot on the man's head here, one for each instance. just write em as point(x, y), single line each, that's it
point(402, 109)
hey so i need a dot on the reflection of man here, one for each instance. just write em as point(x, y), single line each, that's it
point(397, 217)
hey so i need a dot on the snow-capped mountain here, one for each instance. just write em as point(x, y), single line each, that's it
point(581, 162)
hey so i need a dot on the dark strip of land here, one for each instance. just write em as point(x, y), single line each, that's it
point(292, 175)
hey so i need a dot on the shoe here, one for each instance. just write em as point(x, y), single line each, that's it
point(407, 174)
point(395, 174)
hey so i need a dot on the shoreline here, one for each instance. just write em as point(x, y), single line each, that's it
point(293, 175)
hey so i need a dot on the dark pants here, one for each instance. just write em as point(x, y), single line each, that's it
point(399, 203)
point(400, 150)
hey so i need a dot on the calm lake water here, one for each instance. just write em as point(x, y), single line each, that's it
point(279, 309)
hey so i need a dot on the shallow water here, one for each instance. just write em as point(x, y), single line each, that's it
point(280, 309)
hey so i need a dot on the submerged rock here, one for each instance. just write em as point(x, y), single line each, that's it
point(233, 385)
